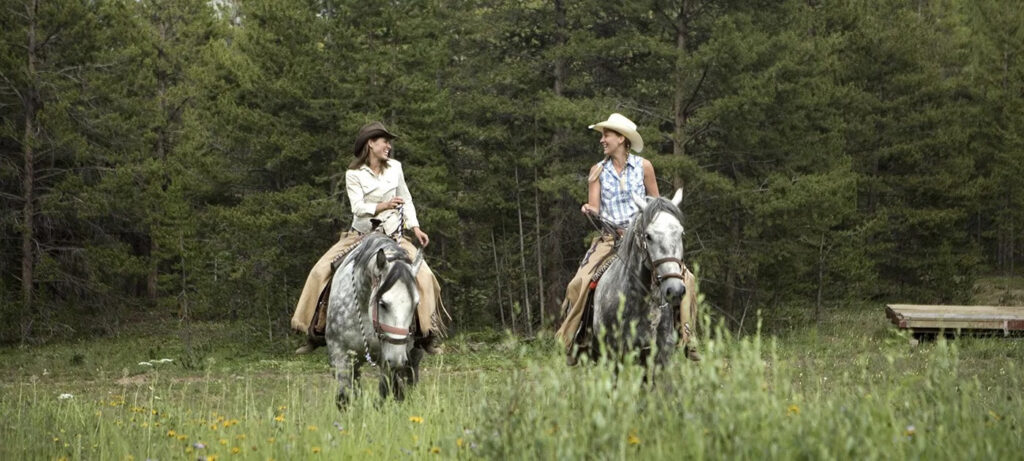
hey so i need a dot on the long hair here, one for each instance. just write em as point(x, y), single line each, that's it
point(364, 157)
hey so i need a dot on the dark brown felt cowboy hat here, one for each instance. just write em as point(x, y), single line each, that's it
point(370, 131)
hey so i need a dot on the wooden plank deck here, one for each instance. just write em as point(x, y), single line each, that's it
point(931, 319)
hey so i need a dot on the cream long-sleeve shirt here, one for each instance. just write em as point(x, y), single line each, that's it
point(366, 189)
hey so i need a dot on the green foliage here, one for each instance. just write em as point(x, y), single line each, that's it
point(189, 155)
point(849, 388)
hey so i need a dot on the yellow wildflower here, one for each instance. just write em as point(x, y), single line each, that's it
point(460, 443)
point(271, 439)
point(223, 441)
point(632, 438)
point(435, 450)
point(311, 428)
point(416, 419)
point(182, 437)
point(793, 410)
point(235, 450)
point(316, 450)
point(279, 418)
point(171, 433)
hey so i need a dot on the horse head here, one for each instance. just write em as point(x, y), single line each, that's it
point(660, 236)
point(393, 304)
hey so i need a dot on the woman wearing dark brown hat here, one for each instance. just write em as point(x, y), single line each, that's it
point(380, 200)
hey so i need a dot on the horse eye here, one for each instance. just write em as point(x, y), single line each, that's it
point(649, 238)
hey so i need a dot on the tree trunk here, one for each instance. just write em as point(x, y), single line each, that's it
point(731, 261)
point(522, 260)
point(559, 45)
point(30, 99)
point(540, 257)
point(821, 279)
point(497, 279)
point(679, 96)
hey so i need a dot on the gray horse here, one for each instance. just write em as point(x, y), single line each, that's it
point(637, 298)
point(370, 317)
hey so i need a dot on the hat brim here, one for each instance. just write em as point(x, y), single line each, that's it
point(366, 137)
point(636, 142)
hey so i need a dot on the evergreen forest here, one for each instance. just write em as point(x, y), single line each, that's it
point(185, 159)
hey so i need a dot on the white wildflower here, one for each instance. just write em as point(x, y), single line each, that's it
point(65, 396)
point(146, 364)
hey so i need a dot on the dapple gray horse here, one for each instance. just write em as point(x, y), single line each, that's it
point(370, 316)
point(637, 298)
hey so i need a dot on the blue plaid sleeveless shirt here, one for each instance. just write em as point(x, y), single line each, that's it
point(617, 190)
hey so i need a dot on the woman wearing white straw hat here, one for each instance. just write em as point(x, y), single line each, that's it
point(611, 184)
point(380, 201)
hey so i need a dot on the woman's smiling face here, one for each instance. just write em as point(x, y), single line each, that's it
point(380, 148)
point(611, 140)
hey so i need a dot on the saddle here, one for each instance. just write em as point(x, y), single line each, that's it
point(318, 325)
point(582, 336)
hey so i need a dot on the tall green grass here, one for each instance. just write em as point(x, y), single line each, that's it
point(816, 395)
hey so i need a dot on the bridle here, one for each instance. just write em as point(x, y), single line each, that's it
point(382, 330)
point(656, 279)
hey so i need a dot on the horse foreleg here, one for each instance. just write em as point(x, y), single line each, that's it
point(415, 356)
point(391, 382)
point(667, 338)
point(346, 370)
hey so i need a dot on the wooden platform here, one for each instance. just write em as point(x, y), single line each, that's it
point(960, 319)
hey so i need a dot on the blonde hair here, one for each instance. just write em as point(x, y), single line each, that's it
point(595, 171)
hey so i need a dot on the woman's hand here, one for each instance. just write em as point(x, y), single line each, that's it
point(587, 209)
point(390, 204)
point(421, 236)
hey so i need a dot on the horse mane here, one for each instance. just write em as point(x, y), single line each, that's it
point(632, 255)
point(364, 253)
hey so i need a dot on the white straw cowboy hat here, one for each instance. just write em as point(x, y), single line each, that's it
point(624, 126)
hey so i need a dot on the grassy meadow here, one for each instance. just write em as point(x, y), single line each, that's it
point(850, 388)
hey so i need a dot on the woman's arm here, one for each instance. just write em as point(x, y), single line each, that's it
point(593, 204)
point(410, 210)
point(403, 191)
point(650, 182)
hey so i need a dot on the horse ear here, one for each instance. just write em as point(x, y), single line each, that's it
point(677, 198)
point(382, 259)
point(640, 201)
point(418, 262)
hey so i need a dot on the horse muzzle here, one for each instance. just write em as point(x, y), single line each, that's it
point(673, 290)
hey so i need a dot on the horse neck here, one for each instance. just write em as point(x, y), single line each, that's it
point(635, 273)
